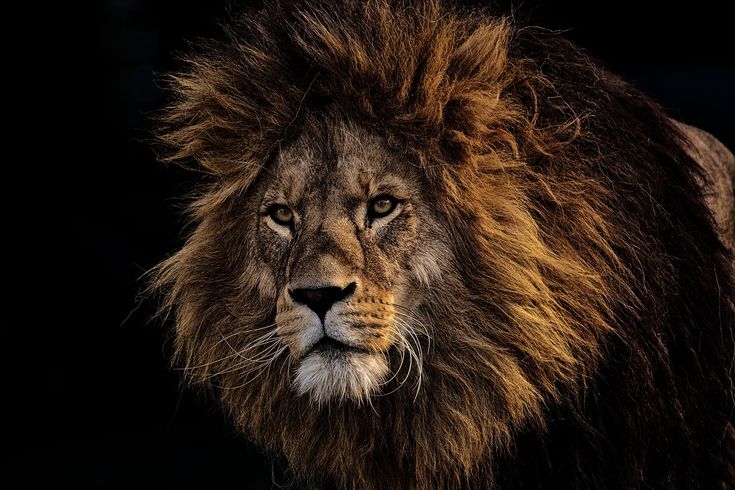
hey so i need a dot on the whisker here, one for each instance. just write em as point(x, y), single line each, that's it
point(248, 367)
point(405, 312)
point(406, 348)
point(417, 356)
point(395, 373)
point(238, 332)
point(260, 341)
point(266, 346)
point(199, 366)
point(257, 343)
point(273, 343)
point(265, 367)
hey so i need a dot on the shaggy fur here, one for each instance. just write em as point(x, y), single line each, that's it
point(579, 306)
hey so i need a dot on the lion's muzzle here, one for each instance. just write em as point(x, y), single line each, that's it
point(321, 299)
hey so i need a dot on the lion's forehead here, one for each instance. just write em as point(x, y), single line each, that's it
point(340, 165)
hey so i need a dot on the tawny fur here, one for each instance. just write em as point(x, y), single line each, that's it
point(582, 328)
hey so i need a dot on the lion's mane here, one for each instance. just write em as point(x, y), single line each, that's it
point(586, 339)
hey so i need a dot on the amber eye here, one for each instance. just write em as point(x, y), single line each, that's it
point(281, 215)
point(382, 206)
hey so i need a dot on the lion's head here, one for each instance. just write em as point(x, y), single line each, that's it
point(405, 254)
point(349, 248)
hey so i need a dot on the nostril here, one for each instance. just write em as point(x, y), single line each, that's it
point(320, 300)
point(348, 290)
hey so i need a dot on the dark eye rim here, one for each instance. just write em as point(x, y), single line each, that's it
point(272, 213)
point(394, 204)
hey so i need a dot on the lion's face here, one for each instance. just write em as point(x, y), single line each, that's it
point(348, 244)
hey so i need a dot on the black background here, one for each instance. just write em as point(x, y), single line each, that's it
point(104, 409)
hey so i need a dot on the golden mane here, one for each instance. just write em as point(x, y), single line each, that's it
point(585, 339)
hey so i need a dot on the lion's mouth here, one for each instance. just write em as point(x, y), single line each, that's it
point(329, 345)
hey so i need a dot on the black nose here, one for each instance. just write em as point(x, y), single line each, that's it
point(321, 299)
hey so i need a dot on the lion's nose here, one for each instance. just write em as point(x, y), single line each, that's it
point(320, 300)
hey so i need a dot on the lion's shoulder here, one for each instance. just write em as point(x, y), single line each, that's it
point(718, 163)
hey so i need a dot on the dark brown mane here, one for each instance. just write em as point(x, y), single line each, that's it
point(587, 338)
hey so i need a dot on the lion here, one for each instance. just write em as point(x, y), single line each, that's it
point(434, 248)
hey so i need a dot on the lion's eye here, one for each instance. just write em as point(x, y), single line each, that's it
point(382, 206)
point(281, 215)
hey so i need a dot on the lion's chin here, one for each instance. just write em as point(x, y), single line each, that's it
point(331, 374)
